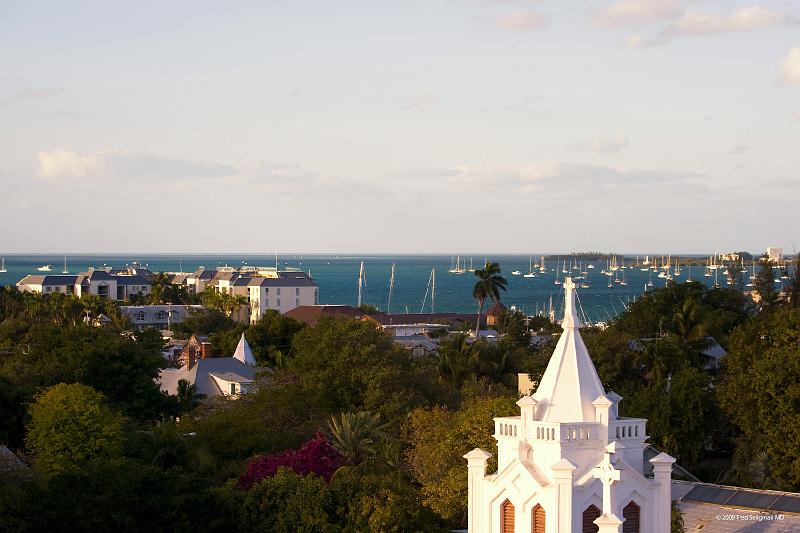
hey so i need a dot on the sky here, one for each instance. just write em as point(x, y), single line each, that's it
point(410, 126)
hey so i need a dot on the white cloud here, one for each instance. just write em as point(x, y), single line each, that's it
point(636, 12)
point(789, 70)
point(638, 40)
point(739, 149)
point(520, 21)
point(590, 182)
point(120, 166)
point(28, 94)
point(251, 178)
point(603, 145)
point(420, 101)
point(745, 19)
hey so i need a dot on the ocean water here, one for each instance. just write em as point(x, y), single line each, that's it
point(337, 277)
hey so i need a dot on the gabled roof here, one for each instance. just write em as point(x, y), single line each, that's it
point(496, 310)
point(48, 280)
point(310, 314)
point(288, 281)
point(200, 375)
point(570, 384)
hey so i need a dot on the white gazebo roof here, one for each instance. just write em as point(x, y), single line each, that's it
point(243, 352)
point(570, 384)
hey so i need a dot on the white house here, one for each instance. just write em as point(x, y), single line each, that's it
point(214, 376)
point(105, 283)
point(282, 292)
point(569, 463)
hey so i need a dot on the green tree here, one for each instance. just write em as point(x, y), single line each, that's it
point(70, 426)
point(287, 503)
point(760, 389)
point(764, 285)
point(488, 286)
point(439, 438)
point(356, 435)
point(187, 396)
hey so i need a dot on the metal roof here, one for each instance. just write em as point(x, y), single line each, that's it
point(762, 500)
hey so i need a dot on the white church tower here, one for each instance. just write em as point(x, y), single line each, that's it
point(569, 463)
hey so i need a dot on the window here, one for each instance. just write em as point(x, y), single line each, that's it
point(297, 292)
point(591, 514)
point(278, 303)
point(507, 517)
point(538, 519)
point(70, 289)
point(161, 315)
point(102, 291)
point(48, 289)
point(297, 302)
point(316, 296)
point(140, 316)
point(233, 389)
point(278, 291)
point(631, 514)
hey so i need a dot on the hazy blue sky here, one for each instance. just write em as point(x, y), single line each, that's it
point(405, 126)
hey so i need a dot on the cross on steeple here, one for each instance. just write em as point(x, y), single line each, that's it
point(607, 475)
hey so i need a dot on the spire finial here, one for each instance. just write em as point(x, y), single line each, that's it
point(571, 319)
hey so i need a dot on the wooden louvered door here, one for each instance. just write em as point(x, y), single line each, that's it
point(631, 513)
point(591, 514)
point(507, 517)
point(538, 520)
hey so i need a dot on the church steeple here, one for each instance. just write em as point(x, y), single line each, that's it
point(570, 384)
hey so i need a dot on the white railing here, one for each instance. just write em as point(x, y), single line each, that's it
point(628, 428)
point(507, 427)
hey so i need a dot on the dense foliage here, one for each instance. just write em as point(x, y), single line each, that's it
point(347, 431)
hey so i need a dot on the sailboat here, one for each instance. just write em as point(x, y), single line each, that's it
point(542, 268)
point(361, 282)
point(557, 281)
point(65, 271)
point(459, 268)
point(3, 266)
point(623, 282)
point(471, 268)
point(649, 280)
point(530, 273)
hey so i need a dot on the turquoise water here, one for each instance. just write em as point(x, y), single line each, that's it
point(337, 277)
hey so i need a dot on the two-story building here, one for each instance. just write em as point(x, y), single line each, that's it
point(117, 285)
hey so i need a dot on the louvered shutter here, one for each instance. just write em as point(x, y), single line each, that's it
point(538, 520)
point(507, 525)
point(631, 514)
point(591, 514)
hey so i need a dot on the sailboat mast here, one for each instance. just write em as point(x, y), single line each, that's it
point(360, 281)
point(433, 290)
point(391, 288)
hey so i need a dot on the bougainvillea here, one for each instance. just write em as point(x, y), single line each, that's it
point(316, 456)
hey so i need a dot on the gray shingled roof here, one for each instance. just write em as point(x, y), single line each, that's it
point(200, 375)
point(132, 280)
point(304, 281)
point(46, 280)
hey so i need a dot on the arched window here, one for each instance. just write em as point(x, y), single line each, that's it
point(507, 517)
point(538, 519)
point(591, 514)
point(631, 513)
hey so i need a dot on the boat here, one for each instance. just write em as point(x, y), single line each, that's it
point(471, 268)
point(516, 273)
point(45, 268)
point(557, 281)
point(3, 266)
point(530, 273)
point(65, 271)
point(458, 268)
point(542, 267)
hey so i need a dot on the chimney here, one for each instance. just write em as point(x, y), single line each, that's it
point(205, 350)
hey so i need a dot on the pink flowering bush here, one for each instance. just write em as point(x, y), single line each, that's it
point(316, 456)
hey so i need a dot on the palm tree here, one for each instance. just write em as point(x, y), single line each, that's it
point(356, 435)
point(689, 326)
point(456, 359)
point(488, 286)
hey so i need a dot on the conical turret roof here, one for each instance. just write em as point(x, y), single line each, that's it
point(570, 384)
point(243, 352)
